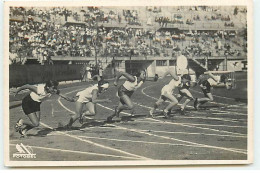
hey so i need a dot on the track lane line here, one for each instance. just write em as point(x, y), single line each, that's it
point(213, 125)
point(175, 139)
point(98, 145)
point(181, 124)
point(186, 133)
point(193, 143)
point(205, 146)
point(146, 142)
point(78, 152)
point(204, 128)
point(102, 146)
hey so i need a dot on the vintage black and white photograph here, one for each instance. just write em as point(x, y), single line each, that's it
point(114, 84)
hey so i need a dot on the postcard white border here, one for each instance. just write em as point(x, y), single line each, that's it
point(248, 3)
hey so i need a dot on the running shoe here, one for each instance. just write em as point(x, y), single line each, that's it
point(151, 113)
point(81, 120)
point(166, 114)
point(19, 125)
point(109, 119)
point(22, 133)
point(116, 112)
point(67, 127)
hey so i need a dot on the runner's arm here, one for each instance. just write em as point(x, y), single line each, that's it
point(30, 87)
point(172, 73)
point(213, 77)
point(96, 100)
point(96, 77)
point(140, 84)
point(67, 98)
point(129, 77)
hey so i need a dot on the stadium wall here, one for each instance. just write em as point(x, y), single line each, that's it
point(35, 74)
point(235, 65)
point(152, 67)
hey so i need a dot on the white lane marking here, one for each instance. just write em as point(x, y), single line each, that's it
point(96, 144)
point(175, 139)
point(227, 98)
point(79, 152)
point(186, 133)
point(203, 128)
point(220, 113)
point(65, 106)
point(181, 124)
point(146, 142)
point(242, 105)
point(179, 140)
point(212, 118)
point(147, 94)
point(206, 146)
point(230, 112)
point(188, 105)
point(197, 117)
point(52, 110)
point(204, 118)
point(213, 125)
point(102, 146)
point(227, 113)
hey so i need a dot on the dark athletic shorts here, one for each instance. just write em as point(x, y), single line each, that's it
point(208, 87)
point(123, 91)
point(184, 94)
point(29, 105)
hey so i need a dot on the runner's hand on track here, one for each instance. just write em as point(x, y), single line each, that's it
point(70, 99)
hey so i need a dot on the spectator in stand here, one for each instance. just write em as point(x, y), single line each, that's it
point(84, 40)
point(12, 57)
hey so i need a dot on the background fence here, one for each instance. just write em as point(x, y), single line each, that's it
point(34, 74)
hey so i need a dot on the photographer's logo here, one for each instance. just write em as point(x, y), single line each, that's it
point(24, 152)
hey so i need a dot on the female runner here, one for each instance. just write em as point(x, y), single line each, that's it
point(88, 98)
point(126, 90)
point(32, 102)
point(205, 85)
point(167, 94)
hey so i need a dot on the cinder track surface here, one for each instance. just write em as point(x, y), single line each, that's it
point(218, 131)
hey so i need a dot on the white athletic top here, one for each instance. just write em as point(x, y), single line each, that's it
point(171, 86)
point(132, 86)
point(86, 95)
point(41, 94)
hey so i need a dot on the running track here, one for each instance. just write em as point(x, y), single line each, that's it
point(217, 132)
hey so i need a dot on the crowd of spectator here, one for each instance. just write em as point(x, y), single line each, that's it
point(198, 15)
point(42, 39)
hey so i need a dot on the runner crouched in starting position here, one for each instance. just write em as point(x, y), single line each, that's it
point(205, 85)
point(184, 92)
point(32, 102)
point(167, 94)
point(88, 98)
point(126, 90)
